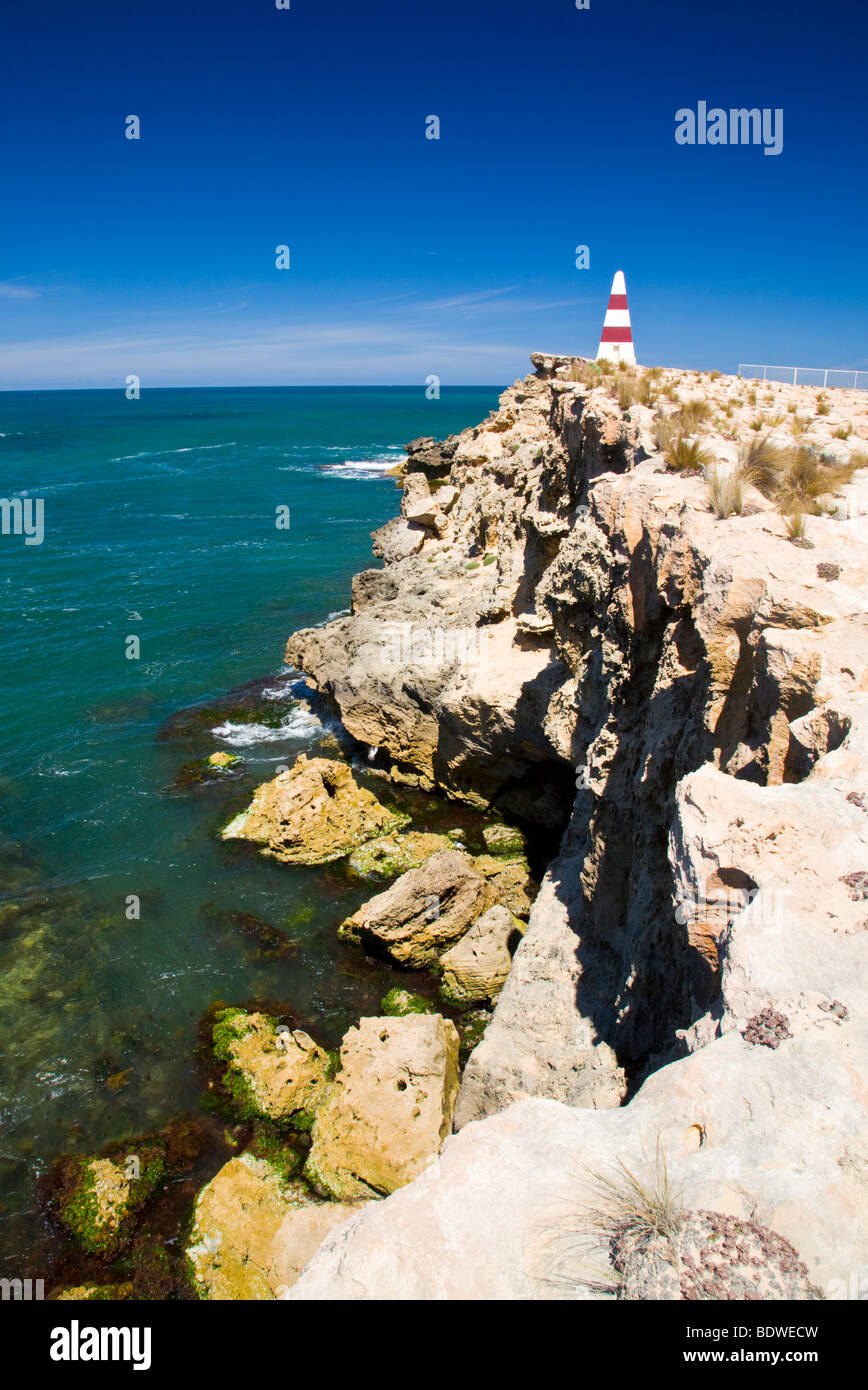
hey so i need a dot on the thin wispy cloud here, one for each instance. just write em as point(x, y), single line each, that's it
point(16, 289)
point(461, 301)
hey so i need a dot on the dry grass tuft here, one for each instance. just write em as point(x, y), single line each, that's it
point(726, 492)
point(692, 414)
point(686, 456)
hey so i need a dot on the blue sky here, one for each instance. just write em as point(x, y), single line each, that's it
point(411, 256)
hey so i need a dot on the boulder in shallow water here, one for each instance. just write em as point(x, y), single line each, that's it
point(390, 1107)
point(423, 912)
point(253, 1232)
point(312, 814)
point(273, 1074)
point(99, 1199)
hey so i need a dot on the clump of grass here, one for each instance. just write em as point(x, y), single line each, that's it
point(799, 425)
point(692, 414)
point(686, 456)
point(758, 422)
point(713, 376)
point(625, 392)
point(857, 461)
point(645, 392)
point(633, 1210)
point(843, 433)
point(588, 373)
point(795, 524)
point(726, 492)
point(751, 397)
point(760, 465)
point(654, 373)
point(664, 432)
point(805, 478)
point(823, 408)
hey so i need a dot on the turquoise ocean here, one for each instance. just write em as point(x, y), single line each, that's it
point(159, 522)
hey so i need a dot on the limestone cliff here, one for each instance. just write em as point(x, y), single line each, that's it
point(579, 635)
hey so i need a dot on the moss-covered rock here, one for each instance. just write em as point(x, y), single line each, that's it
point(223, 759)
point(400, 1002)
point(312, 814)
point(504, 839)
point(271, 1072)
point(253, 1231)
point(394, 854)
point(98, 1199)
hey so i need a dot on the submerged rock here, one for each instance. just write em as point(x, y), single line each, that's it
point(423, 912)
point(99, 1199)
point(271, 1073)
point(476, 967)
point(390, 1107)
point(398, 1003)
point(312, 814)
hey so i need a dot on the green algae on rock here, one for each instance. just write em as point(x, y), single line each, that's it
point(504, 839)
point(398, 1003)
point(391, 855)
point(92, 1293)
point(271, 1073)
point(312, 814)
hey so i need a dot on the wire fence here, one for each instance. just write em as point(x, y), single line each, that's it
point(806, 376)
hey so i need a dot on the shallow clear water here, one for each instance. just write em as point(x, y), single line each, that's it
point(160, 524)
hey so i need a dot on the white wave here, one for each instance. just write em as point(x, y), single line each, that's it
point(159, 453)
point(363, 468)
point(299, 724)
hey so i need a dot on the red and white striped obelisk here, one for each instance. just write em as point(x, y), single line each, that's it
point(617, 340)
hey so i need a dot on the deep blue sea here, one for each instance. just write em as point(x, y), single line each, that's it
point(159, 520)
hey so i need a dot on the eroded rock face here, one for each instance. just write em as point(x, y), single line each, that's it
point(271, 1073)
point(390, 1107)
point(424, 911)
point(314, 813)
